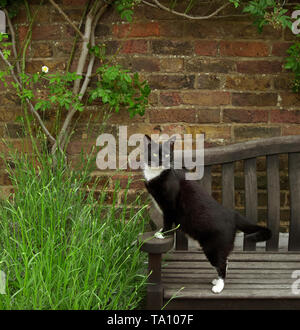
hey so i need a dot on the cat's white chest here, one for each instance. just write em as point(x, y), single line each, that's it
point(151, 173)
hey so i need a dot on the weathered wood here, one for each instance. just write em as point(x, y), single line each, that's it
point(151, 244)
point(294, 179)
point(240, 293)
point(250, 197)
point(232, 304)
point(234, 265)
point(250, 149)
point(228, 286)
point(211, 270)
point(230, 278)
point(206, 180)
point(236, 256)
point(181, 241)
point(154, 289)
point(228, 185)
point(273, 201)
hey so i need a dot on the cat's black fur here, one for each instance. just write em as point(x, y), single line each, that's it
point(200, 216)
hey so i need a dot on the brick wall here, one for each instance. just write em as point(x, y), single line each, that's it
point(218, 77)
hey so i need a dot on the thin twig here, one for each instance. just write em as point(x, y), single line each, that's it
point(159, 5)
point(13, 40)
point(32, 109)
point(54, 4)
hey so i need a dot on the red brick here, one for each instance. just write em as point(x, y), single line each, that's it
point(136, 30)
point(285, 116)
point(173, 30)
point(254, 132)
point(206, 98)
point(208, 81)
point(172, 47)
point(208, 116)
point(211, 131)
point(171, 81)
point(244, 116)
point(290, 99)
point(206, 48)
point(259, 67)
point(146, 64)
point(172, 115)
point(171, 64)
point(43, 32)
point(170, 99)
point(253, 99)
point(247, 49)
point(280, 48)
point(244, 82)
point(291, 130)
point(78, 3)
point(135, 46)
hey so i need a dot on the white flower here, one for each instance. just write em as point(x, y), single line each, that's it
point(159, 234)
point(45, 69)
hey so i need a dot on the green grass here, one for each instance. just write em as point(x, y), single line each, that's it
point(61, 248)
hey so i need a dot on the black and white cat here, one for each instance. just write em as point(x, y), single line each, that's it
point(200, 216)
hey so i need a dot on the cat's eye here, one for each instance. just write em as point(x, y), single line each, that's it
point(154, 154)
point(167, 155)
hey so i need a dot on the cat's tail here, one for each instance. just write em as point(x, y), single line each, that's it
point(253, 232)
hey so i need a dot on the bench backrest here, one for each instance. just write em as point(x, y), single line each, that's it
point(248, 152)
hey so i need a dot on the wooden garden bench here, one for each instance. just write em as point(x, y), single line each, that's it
point(255, 279)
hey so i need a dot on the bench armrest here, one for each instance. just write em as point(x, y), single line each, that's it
point(153, 245)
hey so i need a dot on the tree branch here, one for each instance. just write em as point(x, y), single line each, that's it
point(13, 40)
point(54, 4)
point(95, 13)
point(159, 5)
point(31, 107)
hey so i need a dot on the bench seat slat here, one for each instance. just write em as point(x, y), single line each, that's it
point(240, 277)
point(230, 294)
point(235, 264)
point(258, 256)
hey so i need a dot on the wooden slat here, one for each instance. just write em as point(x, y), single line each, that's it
point(294, 179)
point(229, 286)
point(248, 149)
point(273, 201)
point(211, 270)
point(206, 180)
point(250, 197)
point(228, 185)
point(242, 256)
point(231, 277)
point(234, 265)
point(230, 294)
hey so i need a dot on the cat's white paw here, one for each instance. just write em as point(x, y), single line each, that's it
point(214, 282)
point(218, 286)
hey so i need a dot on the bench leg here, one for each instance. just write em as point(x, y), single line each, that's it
point(155, 289)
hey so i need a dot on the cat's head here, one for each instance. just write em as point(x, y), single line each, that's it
point(159, 155)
